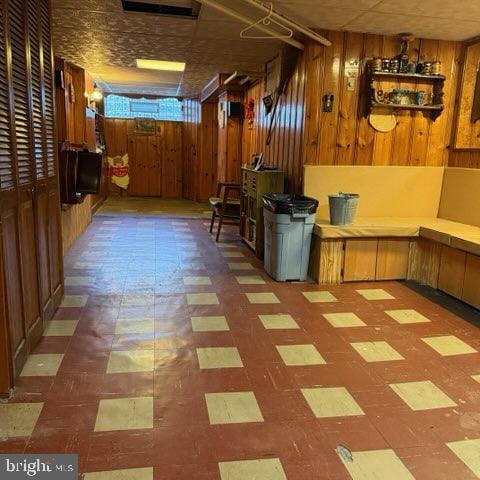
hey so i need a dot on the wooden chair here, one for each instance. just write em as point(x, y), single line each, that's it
point(225, 206)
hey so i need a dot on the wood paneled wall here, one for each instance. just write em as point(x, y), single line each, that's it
point(230, 140)
point(75, 125)
point(303, 133)
point(119, 137)
point(344, 136)
point(286, 143)
point(200, 149)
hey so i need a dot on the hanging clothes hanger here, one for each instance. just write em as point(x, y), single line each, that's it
point(267, 21)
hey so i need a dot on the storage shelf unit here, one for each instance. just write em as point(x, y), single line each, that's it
point(254, 186)
point(437, 82)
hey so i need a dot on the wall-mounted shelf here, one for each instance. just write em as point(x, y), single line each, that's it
point(398, 106)
point(407, 76)
point(434, 110)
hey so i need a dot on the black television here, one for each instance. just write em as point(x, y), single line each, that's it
point(89, 172)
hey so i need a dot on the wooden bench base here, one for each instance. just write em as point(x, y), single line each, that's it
point(453, 271)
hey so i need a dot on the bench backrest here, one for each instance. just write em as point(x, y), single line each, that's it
point(384, 191)
point(460, 200)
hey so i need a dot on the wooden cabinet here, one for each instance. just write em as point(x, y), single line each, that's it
point(392, 259)
point(471, 283)
point(376, 259)
point(452, 271)
point(360, 259)
point(254, 186)
point(32, 281)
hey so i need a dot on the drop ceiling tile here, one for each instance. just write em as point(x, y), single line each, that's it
point(392, 24)
point(469, 10)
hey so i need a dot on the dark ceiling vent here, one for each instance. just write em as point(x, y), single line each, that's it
point(158, 9)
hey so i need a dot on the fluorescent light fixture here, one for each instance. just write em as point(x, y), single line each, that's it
point(161, 65)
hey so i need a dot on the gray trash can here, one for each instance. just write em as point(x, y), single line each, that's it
point(289, 221)
point(343, 207)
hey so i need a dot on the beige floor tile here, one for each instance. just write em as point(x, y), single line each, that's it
point(111, 222)
point(80, 265)
point(297, 355)
point(60, 328)
point(264, 297)
point(278, 322)
point(226, 245)
point(127, 361)
point(448, 345)
point(80, 281)
point(376, 351)
point(240, 266)
point(74, 301)
point(124, 414)
point(219, 357)
point(230, 254)
point(232, 407)
point(377, 465)
point(344, 320)
point(99, 244)
point(18, 419)
point(194, 266)
point(407, 316)
point(319, 297)
point(375, 294)
point(209, 324)
point(468, 451)
point(202, 299)
point(331, 402)
point(134, 325)
point(42, 365)
point(422, 395)
point(128, 474)
point(181, 229)
point(138, 300)
point(263, 469)
point(250, 280)
point(180, 224)
point(197, 281)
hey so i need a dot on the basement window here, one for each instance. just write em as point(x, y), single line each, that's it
point(117, 106)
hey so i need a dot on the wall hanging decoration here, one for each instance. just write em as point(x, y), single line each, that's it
point(118, 170)
point(250, 112)
point(144, 125)
point(382, 122)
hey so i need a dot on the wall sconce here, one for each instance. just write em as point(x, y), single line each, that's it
point(96, 95)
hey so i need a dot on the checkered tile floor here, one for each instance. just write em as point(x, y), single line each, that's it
point(173, 357)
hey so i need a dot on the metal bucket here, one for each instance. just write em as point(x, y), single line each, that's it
point(342, 208)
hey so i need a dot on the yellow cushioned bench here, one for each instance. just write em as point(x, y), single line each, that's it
point(430, 203)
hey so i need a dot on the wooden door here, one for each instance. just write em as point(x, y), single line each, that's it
point(31, 259)
point(52, 228)
point(145, 165)
point(170, 150)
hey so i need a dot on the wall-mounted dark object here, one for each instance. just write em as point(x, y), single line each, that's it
point(327, 102)
point(268, 103)
point(89, 172)
point(68, 178)
point(235, 109)
point(59, 79)
point(80, 174)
